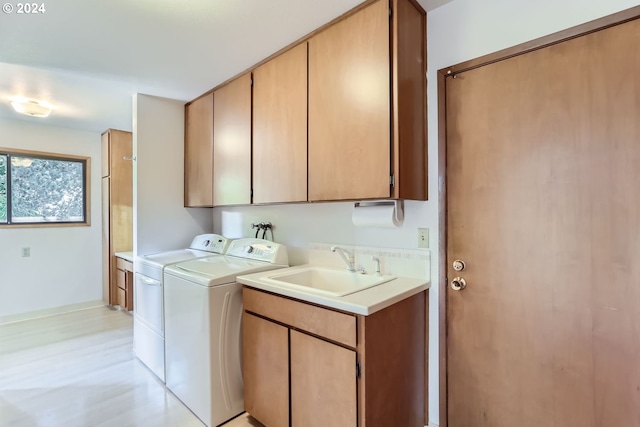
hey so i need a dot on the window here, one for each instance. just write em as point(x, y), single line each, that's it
point(42, 188)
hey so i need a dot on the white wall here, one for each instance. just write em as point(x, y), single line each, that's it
point(467, 29)
point(160, 220)
point(65, 266)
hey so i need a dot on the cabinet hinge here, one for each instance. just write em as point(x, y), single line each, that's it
point(390, 12)
point(392, 180)
point(251, 81)
point(358, 370)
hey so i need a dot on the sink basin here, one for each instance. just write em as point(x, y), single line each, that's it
point(326, 281)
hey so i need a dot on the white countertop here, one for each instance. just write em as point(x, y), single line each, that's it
point(125, 255)
point(364, 302)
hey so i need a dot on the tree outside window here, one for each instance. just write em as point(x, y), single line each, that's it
point(36, 189)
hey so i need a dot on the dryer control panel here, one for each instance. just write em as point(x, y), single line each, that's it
point(259, 250)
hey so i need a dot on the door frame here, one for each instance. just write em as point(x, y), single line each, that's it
point(450, 72)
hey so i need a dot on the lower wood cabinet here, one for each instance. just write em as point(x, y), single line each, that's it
point(306, 365)
point(323, 375)
point(124, 284)
point(266, 370)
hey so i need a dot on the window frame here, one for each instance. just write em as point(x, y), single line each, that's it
point(86, 182)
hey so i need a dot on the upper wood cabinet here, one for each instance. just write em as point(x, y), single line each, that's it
point(367, 112)
point(280, 128)
point(340, 115)
point(232, 143)
point(117, 206)
point(198, 152)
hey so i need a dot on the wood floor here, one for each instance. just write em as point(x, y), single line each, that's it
point(78, 370)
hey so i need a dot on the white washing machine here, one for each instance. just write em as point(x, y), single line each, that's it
point(203, 312)
point(148, 311)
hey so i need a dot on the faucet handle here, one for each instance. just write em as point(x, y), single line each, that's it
point(377, 261)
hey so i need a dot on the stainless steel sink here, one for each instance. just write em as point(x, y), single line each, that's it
point(324, 280)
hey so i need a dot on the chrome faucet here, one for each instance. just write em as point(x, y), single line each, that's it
point(346, 256)
point(377, 261)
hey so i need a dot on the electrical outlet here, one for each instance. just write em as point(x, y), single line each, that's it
point(26, 252)
point(423, 238)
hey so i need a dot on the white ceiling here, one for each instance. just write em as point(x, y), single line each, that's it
point(88, 57)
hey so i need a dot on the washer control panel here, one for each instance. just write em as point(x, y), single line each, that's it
point(259, 250)
point(214, 243)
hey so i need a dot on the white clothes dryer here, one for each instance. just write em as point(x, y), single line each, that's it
point(148, 312)
point(203, 312)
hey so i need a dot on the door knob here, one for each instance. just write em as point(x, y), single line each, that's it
point(458, 284)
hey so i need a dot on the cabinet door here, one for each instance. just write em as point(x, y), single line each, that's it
point(232, 143)
point(280, 128)
point(121, 198)
point(323, 383)
point(198, 152)
point(107, 295)
point(105, 153)
point(349, 108)
point(266, 370)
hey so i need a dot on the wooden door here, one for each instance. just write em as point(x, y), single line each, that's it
point(198, 152)
point(543, 206)
point(266, 370)
point(280, 128)
point(232, 143)
point(349, 108)
point(323, 383)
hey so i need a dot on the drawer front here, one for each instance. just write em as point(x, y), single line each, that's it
point(121, 298)
point(332, 325)
point(123, 264)
point(121, 280)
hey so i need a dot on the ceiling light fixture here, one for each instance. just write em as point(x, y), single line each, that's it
point(31, 107)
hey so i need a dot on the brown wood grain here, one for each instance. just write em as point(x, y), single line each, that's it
point(409, 100)
point(117, 208)
point(232, 143)
point(393, 359)
point(107, 296)
point(349, 107)
point(121, 278)
point(198, 152)
point(266, 370)
point(280, 128)
point(442, 251)
point(129, 286)
point(323, 383)
point(124, 281)
point(330, 324)
point(542, 157)
point(123, 264)
point(104, 138)
point(121, 199)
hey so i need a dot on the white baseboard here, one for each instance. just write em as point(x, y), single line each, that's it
point(50, 311)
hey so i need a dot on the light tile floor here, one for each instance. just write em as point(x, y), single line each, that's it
point(78, 370)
